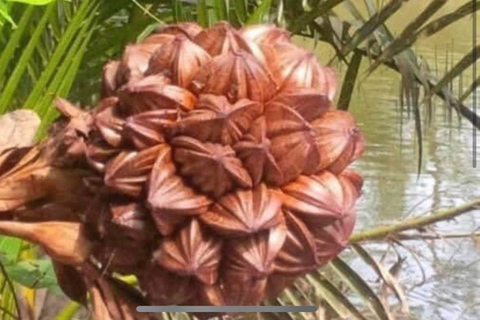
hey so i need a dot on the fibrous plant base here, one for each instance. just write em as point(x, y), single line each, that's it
point(214, 168)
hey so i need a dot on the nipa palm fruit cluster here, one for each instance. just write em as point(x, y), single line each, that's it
point(214, 168)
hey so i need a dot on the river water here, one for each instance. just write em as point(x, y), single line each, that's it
point(442, 280)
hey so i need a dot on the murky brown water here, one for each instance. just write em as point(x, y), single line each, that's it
point(393, 190)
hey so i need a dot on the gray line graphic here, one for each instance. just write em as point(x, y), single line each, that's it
point(232, 309)
point(474, 97)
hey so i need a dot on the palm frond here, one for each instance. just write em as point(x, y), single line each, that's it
point(468, 60)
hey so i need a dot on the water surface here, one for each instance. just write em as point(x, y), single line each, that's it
point(448, 279)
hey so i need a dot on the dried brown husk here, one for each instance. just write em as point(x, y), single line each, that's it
point(178, 59)
point(46, 210)
point(235, 75)
point(245, 212)
point(33, 179)
point(216, 120)
point(98, 153)
point(112, 299)
point(22, 183)
point(109, 123)
point(10, 158)
point(109, 79)
point(70, 134)
point(154, 93)
point(65, 242)
point(79, 120)
point(212, 168)
point(191, 252)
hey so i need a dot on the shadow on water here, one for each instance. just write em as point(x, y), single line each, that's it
point(449, 272)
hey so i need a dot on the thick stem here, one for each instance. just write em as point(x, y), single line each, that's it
point(65, 242)
point(383, 232)
point(436, 236)
point(25, 231)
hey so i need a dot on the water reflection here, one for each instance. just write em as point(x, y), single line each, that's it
point(449, 273)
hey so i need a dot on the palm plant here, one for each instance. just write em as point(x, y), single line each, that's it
point(59, 50)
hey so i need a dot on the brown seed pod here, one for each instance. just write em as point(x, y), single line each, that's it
point(217, 176)
point(154, 93)
point(298, 253)
point(355, 178)
point(169, 199)
point(308, 102)
point(245, 212)
point(222, 39)
point(332, 239)
point(320, 198)
point(236, 75)
point(98, 155)
point(265, 34)
point(292, 143)
point(253, 257)
point(213, 168)
point(108, 122)
point(128, 172)
point(337, 139)
point(190, 29)
point(135, 61)
point(178, 59)
point(130, 220)
point(294, 67)
point(254, 151)
point(150, 128)
point(191, 252)
point(216, 120)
